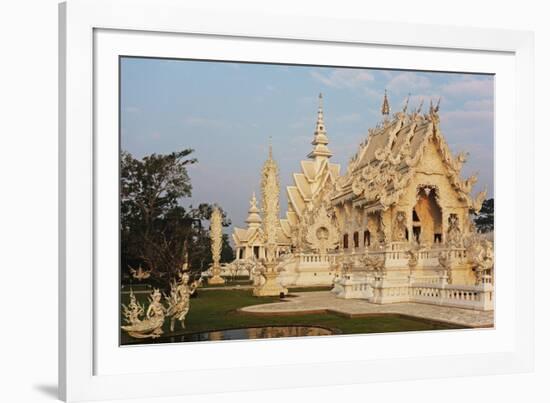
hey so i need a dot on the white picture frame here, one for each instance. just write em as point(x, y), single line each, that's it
point(93, 33)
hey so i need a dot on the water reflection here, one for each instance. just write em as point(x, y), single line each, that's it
point(265, 332)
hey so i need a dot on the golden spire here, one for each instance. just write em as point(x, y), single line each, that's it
point(320, 139)
point(385, 105)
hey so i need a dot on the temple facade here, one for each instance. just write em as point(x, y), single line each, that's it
point(395, 227)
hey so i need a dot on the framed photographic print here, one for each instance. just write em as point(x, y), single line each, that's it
point(318, 206)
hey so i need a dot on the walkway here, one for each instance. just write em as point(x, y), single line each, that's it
point(325, 301)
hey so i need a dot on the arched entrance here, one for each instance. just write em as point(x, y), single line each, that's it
point(427, 217)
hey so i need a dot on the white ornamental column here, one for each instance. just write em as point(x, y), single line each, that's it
point(270, 204)
point(216, 246)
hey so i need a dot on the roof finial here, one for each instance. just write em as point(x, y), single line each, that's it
point(420, 106)
point(406, 103)
point(385, 104)
point(253, 219)
point(253, 201)
point(320, 139)
point(270, 154)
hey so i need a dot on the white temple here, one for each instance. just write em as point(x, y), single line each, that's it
point(395, 227)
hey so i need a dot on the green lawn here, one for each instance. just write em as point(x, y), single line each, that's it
point(292, 290)
point(217, 309)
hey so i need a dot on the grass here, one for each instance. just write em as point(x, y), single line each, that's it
point(228, 283)
point(308, 289)
point(217, 309)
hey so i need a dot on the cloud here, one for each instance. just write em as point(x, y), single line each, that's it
point(469, 86)
point(409, 82)
point(343, 78)
point(463, 126)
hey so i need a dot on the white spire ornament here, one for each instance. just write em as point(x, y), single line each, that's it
point(320, 139)
point(270, 207)
point(253, 220)
point(216, 246)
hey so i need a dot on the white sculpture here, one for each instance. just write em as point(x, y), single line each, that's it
point(179, 300)
point(481, 255)
point(133, 312)
point(151, 326)
point(140, 273)
point(216, 246)
point(270, 200)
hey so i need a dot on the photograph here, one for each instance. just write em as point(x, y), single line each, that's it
point(261, 200)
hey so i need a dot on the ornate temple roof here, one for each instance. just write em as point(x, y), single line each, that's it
point(385, 162)
point(316, 172)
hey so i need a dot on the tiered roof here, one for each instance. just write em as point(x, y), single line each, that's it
point(385, 163)
point(314, 175)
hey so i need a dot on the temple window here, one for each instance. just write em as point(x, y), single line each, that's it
point(356, 239)
point(257, 252)
point(345, 241)
point(437, 238)
point(427, 216)
point(416, 233)
point(366, 238)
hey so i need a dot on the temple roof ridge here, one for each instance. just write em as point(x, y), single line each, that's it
point(393, 151)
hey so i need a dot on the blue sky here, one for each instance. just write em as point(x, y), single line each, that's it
point(226, 112)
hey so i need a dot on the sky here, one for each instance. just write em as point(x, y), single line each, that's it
point(227, 113)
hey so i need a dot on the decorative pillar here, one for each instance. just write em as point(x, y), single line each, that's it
point(270, 200)
point(444, 225)
point(216, 246)
point(410, 224)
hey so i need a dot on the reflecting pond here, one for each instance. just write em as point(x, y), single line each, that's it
point(264, 332)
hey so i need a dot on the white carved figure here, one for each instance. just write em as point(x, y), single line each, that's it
point(400, 227)
point(481, 255)
point(445, 265)
point(140, 273)
point(374, 263)
point(454, 235)
point(179, 300)
point(151, 326)
point(412, 254)
point(134, 311)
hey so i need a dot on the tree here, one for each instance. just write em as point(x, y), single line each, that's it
point(156, 231)
point(154, 227)
point(485, 220)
